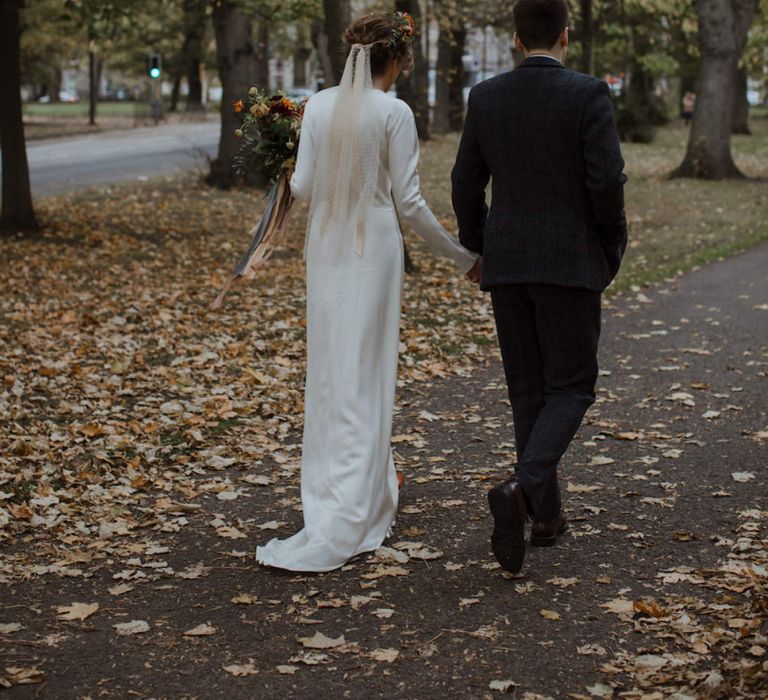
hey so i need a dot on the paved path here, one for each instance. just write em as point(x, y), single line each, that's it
point(681, 405)
point(64, 165)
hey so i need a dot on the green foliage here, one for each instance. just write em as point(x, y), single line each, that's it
point(50, 38)
point(102, 19)
point(655, 37)
point(278, 11)
point(754, 53)
point(153, 27)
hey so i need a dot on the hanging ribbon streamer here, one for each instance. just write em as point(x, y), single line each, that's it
point(267, 236)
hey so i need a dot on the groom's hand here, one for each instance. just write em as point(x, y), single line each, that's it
point(476, 272)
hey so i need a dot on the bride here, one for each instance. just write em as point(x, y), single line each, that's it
point(357, 164)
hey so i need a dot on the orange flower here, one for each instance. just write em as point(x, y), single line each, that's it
point(239, 106)
point(406, 26)
point(411, 24)
point(285, 106)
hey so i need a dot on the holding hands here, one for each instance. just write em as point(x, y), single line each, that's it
point(476, 272)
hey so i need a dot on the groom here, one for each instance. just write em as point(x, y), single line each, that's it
point(551, 243)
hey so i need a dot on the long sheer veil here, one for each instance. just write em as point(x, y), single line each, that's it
point(348, 163)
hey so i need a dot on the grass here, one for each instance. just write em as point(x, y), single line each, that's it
point(68, 110)
point(43, 121)
point(675, 225)
point(678, 224)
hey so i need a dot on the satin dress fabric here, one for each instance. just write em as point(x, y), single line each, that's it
point(349, 487)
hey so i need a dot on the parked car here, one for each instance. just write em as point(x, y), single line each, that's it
point(64, 96)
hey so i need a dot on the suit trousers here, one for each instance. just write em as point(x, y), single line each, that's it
point(548, 336)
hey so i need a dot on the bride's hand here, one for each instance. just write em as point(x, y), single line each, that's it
point(476, 272)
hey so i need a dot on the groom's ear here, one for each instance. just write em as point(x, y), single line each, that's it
point(519, 44)
point(563, 41)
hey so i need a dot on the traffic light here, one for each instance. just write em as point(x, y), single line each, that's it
point(154, 66)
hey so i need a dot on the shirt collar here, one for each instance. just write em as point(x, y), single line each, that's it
point(543, 55)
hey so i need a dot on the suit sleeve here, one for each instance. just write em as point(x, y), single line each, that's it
point(469, 179)
point(605, 178)
point(403, 150)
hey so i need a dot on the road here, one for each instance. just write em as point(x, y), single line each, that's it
point(65, 165)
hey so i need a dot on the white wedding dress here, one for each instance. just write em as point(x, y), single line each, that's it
point(348, 482)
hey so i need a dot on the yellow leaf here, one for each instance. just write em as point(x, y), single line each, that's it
point(92, 430)
point(388, 655)
point(241, 670)
point(319, 641)
point(77, 611)
point(381, 571)
point(243, 599)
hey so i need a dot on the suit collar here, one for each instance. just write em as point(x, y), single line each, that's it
point(540, 62)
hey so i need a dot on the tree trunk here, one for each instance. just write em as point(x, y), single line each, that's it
point(195, 20)
point(300, 57)
point(723, 27)
point(641, 86)
point(99, 73)
point(338, 14)
point(236, 58)
point(261, 77)
point(195, 87)
point(58, 77)
point(320, 42)
point(414, 88)
point(587, 38)
point(449, 92)
point(740, 119)
point(16, 213)
point(456, 115)
point(175, 93)
point(92, 87)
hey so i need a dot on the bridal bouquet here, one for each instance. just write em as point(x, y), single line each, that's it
point(270, 134)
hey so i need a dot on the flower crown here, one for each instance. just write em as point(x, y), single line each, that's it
point(405, 29)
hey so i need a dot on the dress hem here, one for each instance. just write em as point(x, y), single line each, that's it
point(270, 561)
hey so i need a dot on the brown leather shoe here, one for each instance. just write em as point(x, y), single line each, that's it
point(545, 534)
point(507, 505)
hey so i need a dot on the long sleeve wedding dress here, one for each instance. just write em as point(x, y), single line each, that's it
point(348, 482)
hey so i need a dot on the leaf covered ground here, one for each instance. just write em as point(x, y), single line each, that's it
point(149, 444)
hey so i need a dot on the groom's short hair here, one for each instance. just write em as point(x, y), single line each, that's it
point(539, 23)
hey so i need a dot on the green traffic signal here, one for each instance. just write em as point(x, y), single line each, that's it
point(154, 63)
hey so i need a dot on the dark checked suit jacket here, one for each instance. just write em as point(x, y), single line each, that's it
point(546, 137)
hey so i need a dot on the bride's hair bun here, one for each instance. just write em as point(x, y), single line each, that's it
point(389, 37)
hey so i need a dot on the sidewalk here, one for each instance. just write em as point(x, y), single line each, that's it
point(664, 484)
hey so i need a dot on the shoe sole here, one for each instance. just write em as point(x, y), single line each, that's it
point(508, 538)
point(549, 541)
